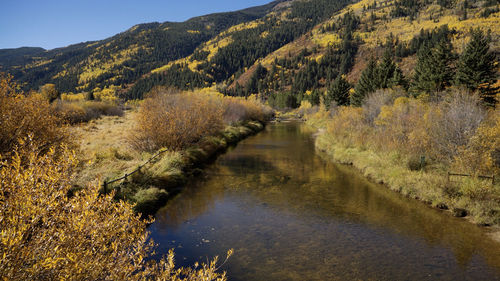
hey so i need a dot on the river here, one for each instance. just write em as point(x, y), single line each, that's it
point(289, 214)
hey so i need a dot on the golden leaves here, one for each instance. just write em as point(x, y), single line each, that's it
point(178, 120)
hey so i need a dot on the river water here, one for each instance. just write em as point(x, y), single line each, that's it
point(289, 214)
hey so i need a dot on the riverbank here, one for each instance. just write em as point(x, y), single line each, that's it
point(430, 185)
point(106, 155)
point(289, 215)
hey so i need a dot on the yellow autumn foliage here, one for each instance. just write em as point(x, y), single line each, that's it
point(50, 232)
point(107, 94)
point(22, 115)
point(70, 97)
point(482, 153)
point(173, 119)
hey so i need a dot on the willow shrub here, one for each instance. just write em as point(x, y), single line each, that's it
point(481, 154)
point(177, 120)
point(27, 115)
point(455, 130)
point(48, 234)
point(84, 111)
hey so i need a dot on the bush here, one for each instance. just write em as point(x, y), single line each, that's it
point(22, 116)
point(452, 123)
point(373, 103)
point(348, 126)
point(48, 235)
point(169, 118)
point(79, 112)
point(482, 153)
point(416, 163)
point(176, 121)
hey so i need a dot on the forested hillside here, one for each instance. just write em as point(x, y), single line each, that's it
point(286, 51)
point(123, 58)
point(329, 60)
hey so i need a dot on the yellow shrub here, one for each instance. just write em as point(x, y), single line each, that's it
point(79, 112)
point(70, 97)
point(22, 116)
point(482, 153)
point(397, 121)
point(48, 234)
point(173, 120)
point(347, 126)
point(177, 120)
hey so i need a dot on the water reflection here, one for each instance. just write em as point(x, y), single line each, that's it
point(290, 215)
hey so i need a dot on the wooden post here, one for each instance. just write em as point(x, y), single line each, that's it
point(105, 187)
point(448, 176)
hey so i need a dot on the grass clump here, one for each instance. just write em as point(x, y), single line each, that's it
point(148, 201)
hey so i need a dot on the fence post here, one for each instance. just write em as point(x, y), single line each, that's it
point(105, 187)
point(448, 176)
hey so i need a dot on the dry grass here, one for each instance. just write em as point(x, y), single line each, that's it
point(105, 150)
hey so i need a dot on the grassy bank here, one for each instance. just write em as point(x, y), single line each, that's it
point(154, 184)
point(388, 152)
point(188, 137)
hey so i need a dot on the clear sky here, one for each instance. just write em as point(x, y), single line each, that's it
point(57, 23)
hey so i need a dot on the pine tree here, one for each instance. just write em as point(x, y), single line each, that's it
point(386, 70)
point(442, 71)
point(367, 83)
point(422, 79)
point(476, 67)
point(338, 92)
point(434, 70)
point(399, 79)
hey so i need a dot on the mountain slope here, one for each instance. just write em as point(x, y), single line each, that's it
point(123, 58)
point(286, 51)
point(232, 52)
point(368, 28)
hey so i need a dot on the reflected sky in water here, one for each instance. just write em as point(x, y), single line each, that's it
point(289, 214)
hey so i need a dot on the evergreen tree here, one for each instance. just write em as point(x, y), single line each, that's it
point(476, 67)
point(315, 97)
point(422, 79)
point(338, 92)
point(434, 70)
point(442, 70)
point(398, 79)
point(367, 83)
point(386, 70)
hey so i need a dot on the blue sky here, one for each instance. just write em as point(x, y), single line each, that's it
point(57, 23)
